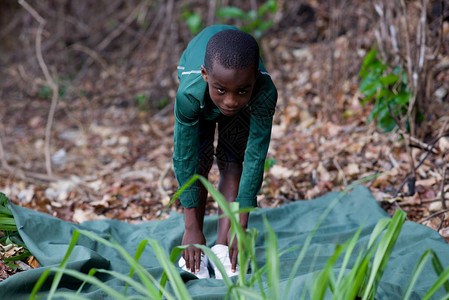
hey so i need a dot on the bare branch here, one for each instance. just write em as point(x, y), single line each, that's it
point(49, 80)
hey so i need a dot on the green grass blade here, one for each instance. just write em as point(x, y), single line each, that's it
point(5, 211)
point(384, 249)
point(223, 204)
point(377, 231)
point(318, 224)
point(63, 264)
point(349, 250)
point(438, 267)
point(359, 278)
point(38, 284)
point(348, 287)
point(416, 272)
point(137, 255)
point(147, 279)
point(5, 220)
point(176, 282)
point(325, 277)
point(442, 279)
point(24, 255)
point(92, 280)
point(247, 293)
point(8, 228)
point(92, 272)
point(139, 287)
point(70, 296)
point(211, 256)
point(271, 246)
point(173, 256)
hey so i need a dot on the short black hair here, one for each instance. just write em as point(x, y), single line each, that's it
point(233, 49)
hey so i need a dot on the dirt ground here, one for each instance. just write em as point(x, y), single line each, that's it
point(112, 129)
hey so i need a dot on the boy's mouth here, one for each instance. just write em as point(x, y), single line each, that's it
point(229, 112)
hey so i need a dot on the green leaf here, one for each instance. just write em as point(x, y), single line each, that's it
point(194, 23)
point(232, 12)
point(268, 6)
point(369, 86)
point(389, 79)
point(24, 255)
point(403, 98)
point(8, 228)
point(370, 58)
point(7, 221)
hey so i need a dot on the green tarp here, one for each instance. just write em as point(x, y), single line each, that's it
point(48, 238)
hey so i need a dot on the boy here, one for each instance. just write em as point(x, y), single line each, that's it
point(221, 81)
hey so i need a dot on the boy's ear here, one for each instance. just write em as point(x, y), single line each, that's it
point(204, 72)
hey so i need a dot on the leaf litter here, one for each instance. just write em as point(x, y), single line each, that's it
point(112, 159)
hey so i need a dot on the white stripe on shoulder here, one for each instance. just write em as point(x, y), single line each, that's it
point(191, 72)
point(265, 73)
point(180, 68)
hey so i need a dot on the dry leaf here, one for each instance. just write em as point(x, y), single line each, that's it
point(33, 262)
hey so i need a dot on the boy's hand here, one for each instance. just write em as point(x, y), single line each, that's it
point(191, 254)
point(233, 247)
point(233, 254)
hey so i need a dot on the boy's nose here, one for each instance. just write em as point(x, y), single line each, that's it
point(231, 103)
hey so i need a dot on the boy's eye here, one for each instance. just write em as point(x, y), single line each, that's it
point(243, 92)
point(220, 91)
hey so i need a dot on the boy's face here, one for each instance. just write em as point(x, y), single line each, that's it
point(229, 89)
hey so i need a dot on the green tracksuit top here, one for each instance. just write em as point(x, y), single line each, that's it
point(190, 104)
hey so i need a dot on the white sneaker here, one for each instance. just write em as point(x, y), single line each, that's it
point(222, 252)
point(203, 272)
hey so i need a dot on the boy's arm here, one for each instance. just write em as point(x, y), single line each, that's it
point(186, 144)
point(256, 151)
point(185, 163)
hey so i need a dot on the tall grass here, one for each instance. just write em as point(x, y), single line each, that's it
point(359, 281)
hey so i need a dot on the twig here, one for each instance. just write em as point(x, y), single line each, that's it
point(27, 176)
point(443, 181)
point(340, 171)
point(434, 215)
point(211, 12)
point(110, 37)
point(440, 36)
point(142, 39)
point(3, 161)
point(119, 29)
point(441, 223)
point(420, 163)
point(49, 80)
point(92, 53)
point(163, 34)
point(411, 178)
point(407, 42)
point(160, 184)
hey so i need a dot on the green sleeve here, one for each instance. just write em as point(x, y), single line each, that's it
point(256, 150)
point(186, 143)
